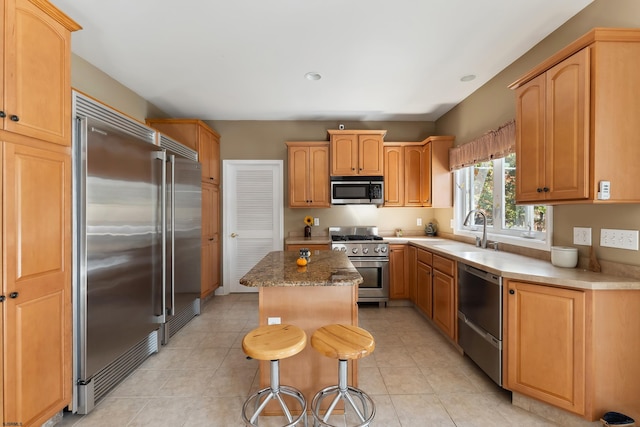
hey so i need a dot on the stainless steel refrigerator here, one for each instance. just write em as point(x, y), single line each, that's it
point(134, 222)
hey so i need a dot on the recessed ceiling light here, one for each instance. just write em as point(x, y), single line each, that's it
point(312, 76)
point(467, 78)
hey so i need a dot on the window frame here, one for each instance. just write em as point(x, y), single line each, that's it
point(495, 234)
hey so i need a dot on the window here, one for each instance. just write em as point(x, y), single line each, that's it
point(491, 187)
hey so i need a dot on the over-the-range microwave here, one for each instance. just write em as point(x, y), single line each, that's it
point(357, 190)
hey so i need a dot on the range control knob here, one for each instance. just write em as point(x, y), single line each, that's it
point(365, 250)
point(354, 250)
point(376, 249)
point(336, 249)
point(343, 249)
point(383, 249)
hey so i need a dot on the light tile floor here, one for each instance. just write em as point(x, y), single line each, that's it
point(202, 377)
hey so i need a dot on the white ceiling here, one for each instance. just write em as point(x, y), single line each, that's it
point(246, 59)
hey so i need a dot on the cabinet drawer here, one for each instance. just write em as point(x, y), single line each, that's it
point(424, 257)
point(445, 265)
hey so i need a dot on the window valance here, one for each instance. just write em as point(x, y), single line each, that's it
point(494, 144)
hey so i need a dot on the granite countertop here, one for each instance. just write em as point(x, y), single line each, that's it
point(279, 268)
point(519, 267)
point(313, 240)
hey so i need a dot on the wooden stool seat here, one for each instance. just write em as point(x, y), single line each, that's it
point(274, 342)
point(344, 342)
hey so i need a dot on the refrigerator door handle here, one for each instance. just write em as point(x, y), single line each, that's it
point(161, 155)
point(172, 160)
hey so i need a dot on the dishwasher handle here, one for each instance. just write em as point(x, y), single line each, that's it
point(485, 275)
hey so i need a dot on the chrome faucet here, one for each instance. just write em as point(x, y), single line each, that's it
point(482, 243)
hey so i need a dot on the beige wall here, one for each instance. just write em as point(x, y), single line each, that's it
point(260, 140)
point(93, 82)
point(487, 108)
point(493, 104)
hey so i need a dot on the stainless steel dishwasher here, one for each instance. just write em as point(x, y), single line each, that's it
point(480, 318)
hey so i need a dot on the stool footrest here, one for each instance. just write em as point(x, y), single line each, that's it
point(271, 394)
point(366, 413)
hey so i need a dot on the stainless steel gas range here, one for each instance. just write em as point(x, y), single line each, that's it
point(369, 254)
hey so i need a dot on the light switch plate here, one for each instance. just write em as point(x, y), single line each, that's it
point(419, 222)
point(273, 320)
point(316, 222)
point(621, 239)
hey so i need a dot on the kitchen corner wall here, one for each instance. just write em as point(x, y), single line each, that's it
point(262, 140)
point(494, 104)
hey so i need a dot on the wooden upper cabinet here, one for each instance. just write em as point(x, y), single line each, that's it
point(576, 122)
point(393, 175)
point(36, 91)
point(417, 173)
point(196, 135)
point(357, 152)
point(308, 174)
point(553, 135)
point(412, 172)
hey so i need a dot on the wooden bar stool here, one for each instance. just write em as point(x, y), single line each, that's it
point(343, 342)
point(274, 342)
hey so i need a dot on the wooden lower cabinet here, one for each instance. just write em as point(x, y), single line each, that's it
point(210, 250)
point(574, 349)
point(36, 339)
point(444, 307)
point(546, 344)
point(424, 281)
point(412, 257)
point(398, 275)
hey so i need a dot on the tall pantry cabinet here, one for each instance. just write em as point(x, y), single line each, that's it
point(35, 133)
point(196, 135)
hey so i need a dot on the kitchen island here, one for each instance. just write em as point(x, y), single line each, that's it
point(324, 291)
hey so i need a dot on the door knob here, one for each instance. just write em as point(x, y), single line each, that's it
point(14, 118)
point(511, 291)
point(2, 298)
point(234, 235)
point(13, 295)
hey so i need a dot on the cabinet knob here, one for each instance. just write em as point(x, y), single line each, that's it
point(2, 115)
point(545, 189)
point(14, 118)
point(511, 291)
point(2, 298)
point(353, 169)
point(13, 295)
point(539, 190)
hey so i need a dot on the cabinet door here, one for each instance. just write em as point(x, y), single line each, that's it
point(424, 289)
point(319, 177)
point(425, 175)
point(546, 344)
point(444, 313)
point(398, 283)
point(37, 74)
point(412, 256)
point(344, 155)
point(206, 271)
point(393, 176)
point(370, 156)
point(205, 152)
point(567, 128)
point(37, 261)
point(530, 141)
point(298, 174)
point(412, 178)
point(207, 212)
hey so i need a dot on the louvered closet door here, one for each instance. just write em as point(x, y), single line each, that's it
point(253, 216)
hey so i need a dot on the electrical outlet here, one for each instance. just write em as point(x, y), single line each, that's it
point(621, 239)
point(582, 236)
point(273, 320)
point(316, 221)
point(419, 222)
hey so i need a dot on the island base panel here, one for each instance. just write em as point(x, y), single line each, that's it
point(308, 307)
